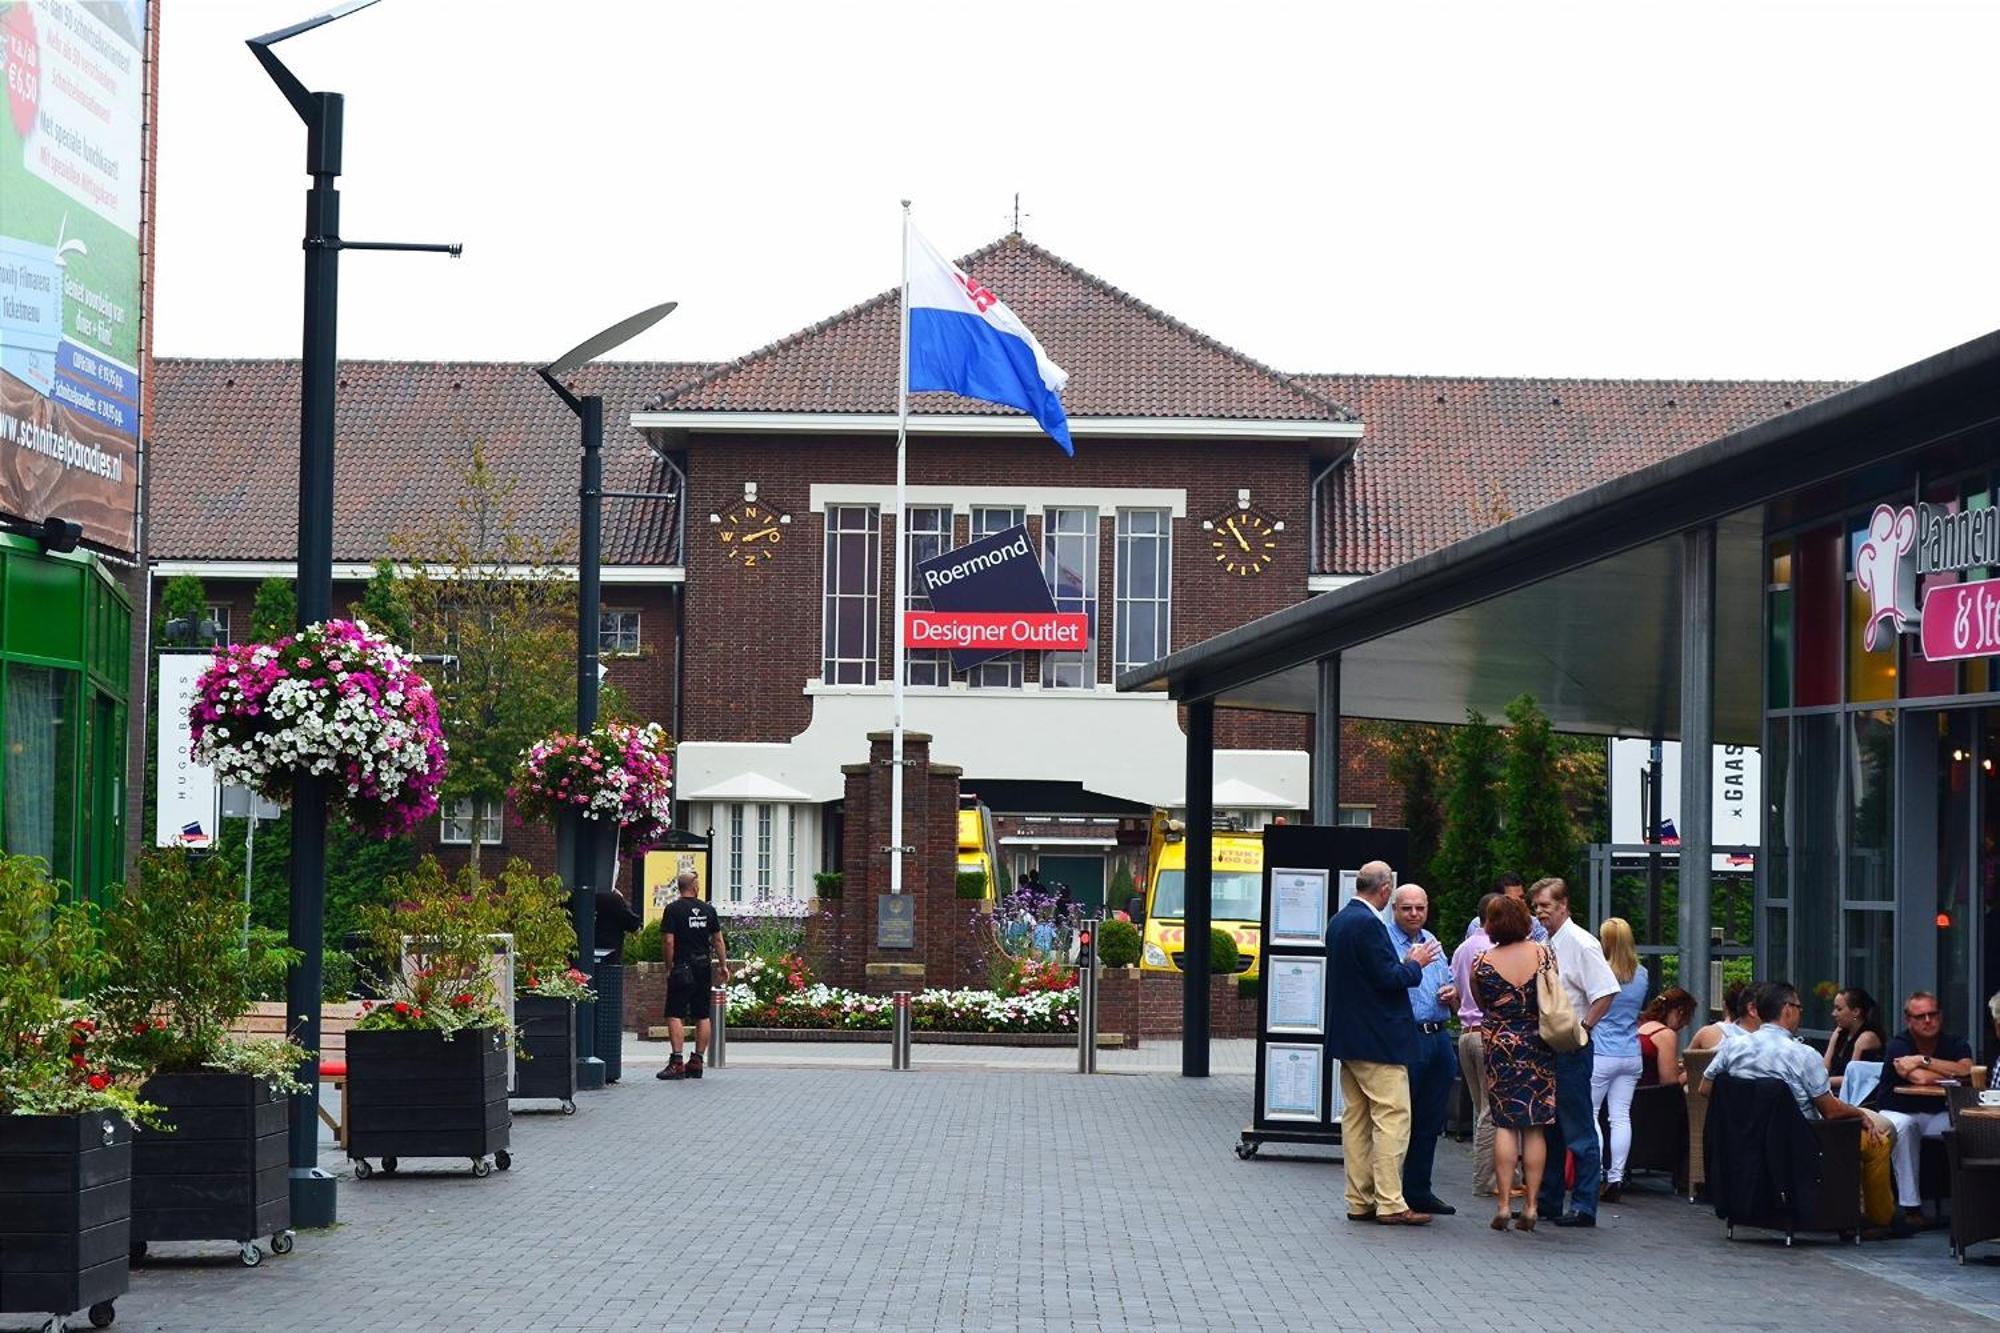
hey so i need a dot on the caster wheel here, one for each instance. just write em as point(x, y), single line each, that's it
point(569, 1108)
point(503, 1159)
point(282, 1242)
point(1246, 1150)
point(138, 1251)
point(361, 1169)
point(389, 1165)
point(251, 1254)
point(102, 1314)
point(481, 1168)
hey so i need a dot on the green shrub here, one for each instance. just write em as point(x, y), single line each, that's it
point(1118, 943)
point(1123, 890)
point(826, 883)
point(1249, 987)
point(972, 883)
point(644, 947)
point(1222, 952)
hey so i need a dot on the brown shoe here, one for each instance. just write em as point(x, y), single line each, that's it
point(1407, 1218)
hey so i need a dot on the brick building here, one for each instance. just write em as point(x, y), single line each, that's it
point(1207, 490)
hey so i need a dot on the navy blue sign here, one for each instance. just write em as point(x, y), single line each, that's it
point(995, 574)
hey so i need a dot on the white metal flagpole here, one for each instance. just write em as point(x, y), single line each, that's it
point(902, 575)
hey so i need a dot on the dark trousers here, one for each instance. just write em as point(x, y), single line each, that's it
point(1575, 1130)
point(1430, 1098)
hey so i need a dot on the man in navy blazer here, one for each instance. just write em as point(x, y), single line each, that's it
point(1371, 1032)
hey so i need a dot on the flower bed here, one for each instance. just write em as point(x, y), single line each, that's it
point(767, 993)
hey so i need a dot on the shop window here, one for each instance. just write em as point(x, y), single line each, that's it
point(1871, 954)
point(851, 622)
point(1002, 673)
point(1069, 563)
point(457, 830)
point(1812, 801)
point(1871, 806)
point(1818, 570)
point(1954, 761)
point(40, 765)
point(1775, 861)
point(1142, 587)
point(618, 634)
point(1778, 618)
point(1871, 674)
point(929, 536)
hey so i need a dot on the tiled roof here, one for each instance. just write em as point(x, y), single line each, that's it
point(1124, 358)
point(1443, 458)
point(224, 443)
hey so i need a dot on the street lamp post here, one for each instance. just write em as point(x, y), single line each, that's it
point(312, 1190)
point(587, 840)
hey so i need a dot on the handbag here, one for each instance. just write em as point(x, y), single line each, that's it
point(1560, 1028)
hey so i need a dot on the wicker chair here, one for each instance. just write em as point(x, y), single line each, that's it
point(1695, 1063)
point(1973, 1147)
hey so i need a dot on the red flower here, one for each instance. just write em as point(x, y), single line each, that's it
point(402, 1007)
point(416, 1013)
point(141, 1029)
point(98, 1083)
point(79, 1061)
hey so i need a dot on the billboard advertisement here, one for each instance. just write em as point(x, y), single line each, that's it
point(1737, 787)
point(72, 175)
point(185, 792)
point(989, 599)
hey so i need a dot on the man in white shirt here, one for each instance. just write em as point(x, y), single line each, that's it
point(1591, 986)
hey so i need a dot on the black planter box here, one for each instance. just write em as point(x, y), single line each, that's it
point(414, 1094)
point(65, 1212)
point(221, 1170)
point(545, 1031)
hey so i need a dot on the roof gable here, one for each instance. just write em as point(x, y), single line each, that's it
point(1124, 357)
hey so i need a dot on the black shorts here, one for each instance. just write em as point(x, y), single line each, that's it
point(688, 992)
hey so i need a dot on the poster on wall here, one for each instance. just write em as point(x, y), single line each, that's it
point(662, 868)
point(185, 793)
point(72, 169)
point(1738, 786)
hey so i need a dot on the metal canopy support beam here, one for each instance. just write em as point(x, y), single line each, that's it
point(1697, 755)
point(1200, 883)
point(1326, 745)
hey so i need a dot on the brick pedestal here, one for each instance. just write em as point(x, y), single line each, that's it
point(1131, 1001)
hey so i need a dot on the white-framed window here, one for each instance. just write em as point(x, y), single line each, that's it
point(1356, 816)
point(456, 830)
point(760, 847)
point(1069, 563)
point(929, 530)
point(763, 850)
point(219, 617)
point(851, 630)
point(1002, 673)
point(1142, 584)
point(736, 852)
point(618, 633)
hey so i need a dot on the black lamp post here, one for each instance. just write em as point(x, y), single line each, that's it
point(313, 1189)
point(588, 840)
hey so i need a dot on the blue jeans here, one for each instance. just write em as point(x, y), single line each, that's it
point(1430, 1097)
point(1576, 1130)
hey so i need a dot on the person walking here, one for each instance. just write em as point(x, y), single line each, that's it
point(1472, 1049)
point(1431, 1002)
point(1616, 1063)
point(1520, 1068)
point(1370, 1031)
point(1587, 978)
point(689, 933)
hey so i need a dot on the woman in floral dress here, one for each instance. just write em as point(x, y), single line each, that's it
point(1520, 1067)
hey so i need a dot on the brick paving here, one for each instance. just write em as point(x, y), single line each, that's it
point(787, 1195)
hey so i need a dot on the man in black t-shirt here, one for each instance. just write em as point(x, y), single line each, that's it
point(1922, 1055)
point(689, 932)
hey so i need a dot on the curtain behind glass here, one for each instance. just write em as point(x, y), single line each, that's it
point(40, 774)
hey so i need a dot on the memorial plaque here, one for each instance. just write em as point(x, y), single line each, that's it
point(896, 921)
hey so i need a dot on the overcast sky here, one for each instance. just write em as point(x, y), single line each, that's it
point(1625, 189)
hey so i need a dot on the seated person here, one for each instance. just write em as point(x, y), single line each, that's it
point(1921, 1055)
point(1660, 1026)
point(1738, 1020)
point(1857, 1031)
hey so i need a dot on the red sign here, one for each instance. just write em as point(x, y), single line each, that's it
point(996, 631)
point(1961, 620)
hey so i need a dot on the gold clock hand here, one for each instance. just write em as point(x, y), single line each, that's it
point(761, 532)
point(1231, 525)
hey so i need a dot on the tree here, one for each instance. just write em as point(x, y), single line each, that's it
point(183, 598)
point(357, 866)
point(1539, 834)
point(1468, 853)
point(1414, 755)
point(275, 613)
point(492, 593)
point(385, 606)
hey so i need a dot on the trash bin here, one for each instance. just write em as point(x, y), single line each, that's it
point(609, 984)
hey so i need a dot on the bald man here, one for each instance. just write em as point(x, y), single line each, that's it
point(1431, 1002)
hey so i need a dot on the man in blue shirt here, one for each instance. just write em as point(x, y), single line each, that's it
point(1510, 885)
point(1432, 1001)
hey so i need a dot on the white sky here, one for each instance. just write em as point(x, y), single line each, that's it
point(1630, 189)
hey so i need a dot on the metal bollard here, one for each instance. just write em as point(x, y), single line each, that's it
point(1086, 1014)
point(718, 1025)
point(899, 1033)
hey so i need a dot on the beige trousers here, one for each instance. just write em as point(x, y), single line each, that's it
point(1374, 1134)
point(1472, 1064)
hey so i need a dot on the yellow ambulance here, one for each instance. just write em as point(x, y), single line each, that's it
point(975, 843)
point(1236, 898)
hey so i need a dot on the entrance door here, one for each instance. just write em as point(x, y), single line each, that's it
point(1962, 822)
point(1083, 874)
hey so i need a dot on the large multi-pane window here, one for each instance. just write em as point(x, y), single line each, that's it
point(1142, 584)
point(1007, 672)
point(851, 624)
point(929, 536)
point(218, 616)
point(763, 851)
point(618, 633)
point(761, 847)
point(1069, 563)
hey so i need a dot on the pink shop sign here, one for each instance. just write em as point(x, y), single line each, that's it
point(1961, 620)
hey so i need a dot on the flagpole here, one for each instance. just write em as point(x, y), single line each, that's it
point(902, 574)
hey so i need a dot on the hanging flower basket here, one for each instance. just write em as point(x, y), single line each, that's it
point(337, 700)
point(615, 772)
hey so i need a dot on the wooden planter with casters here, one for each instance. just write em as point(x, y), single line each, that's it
point(546, 1030)
point(220, 1172)
point(65, 1213)
point(415, 1094)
